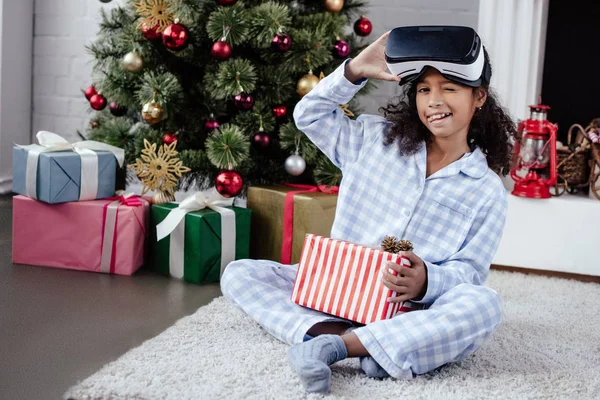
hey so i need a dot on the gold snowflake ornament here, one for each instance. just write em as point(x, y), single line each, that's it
point(153, 13)
point(159, 171)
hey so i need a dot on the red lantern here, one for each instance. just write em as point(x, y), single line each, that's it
point(535, 171)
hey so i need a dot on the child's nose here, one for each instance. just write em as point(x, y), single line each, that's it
point(436, 99)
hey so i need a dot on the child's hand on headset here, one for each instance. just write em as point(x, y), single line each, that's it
point(370, 63)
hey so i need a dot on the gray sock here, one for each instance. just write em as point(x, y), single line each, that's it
point(311, 360)
point(372, 368)
point(368, 364)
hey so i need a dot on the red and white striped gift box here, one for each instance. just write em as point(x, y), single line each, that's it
point(343, 279)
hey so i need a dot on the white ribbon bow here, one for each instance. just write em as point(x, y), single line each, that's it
point(174, 225)
point(51, 142)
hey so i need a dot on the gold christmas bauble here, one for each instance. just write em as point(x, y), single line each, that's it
point(133, 61)
point(152, 112)
point(306, 84)
point(334, 6)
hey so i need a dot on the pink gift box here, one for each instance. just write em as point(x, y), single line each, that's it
point(97, 235)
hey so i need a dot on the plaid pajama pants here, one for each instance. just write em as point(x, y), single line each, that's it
point(450, 329)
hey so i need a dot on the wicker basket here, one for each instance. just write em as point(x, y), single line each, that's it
point(572, 164)
point(596, 153)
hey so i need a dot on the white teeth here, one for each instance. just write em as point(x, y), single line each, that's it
point(437, 116)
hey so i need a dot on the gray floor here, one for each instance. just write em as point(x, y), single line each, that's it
point(58, 326)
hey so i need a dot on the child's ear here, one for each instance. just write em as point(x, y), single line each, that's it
point(480, 97)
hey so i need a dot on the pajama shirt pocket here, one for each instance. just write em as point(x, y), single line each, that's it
point(443, 226)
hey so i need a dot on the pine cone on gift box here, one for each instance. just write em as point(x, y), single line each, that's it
point(404, 245)
point(389, 244)
point(393, 245)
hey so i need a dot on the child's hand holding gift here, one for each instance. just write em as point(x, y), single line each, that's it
point(410, 283)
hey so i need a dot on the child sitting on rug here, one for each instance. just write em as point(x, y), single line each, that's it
point(426, 172)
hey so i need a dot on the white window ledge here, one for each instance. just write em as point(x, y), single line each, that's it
point(559, 234)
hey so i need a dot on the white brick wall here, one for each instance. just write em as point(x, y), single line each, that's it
point(61, 64)
point(16, 46)
point(62, 68)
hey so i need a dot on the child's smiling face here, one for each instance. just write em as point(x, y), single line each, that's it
point(445, 107)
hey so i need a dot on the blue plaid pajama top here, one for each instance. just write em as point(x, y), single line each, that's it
point(454, 217)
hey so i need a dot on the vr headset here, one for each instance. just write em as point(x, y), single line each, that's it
point(455, 51)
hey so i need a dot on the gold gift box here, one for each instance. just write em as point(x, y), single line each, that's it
point(313, 213)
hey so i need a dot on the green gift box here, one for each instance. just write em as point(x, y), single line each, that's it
point(197, 244)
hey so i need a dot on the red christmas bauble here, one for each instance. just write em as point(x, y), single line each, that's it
point(243, 101)
point(116, 109)
point(89, 92)
point(151, 33)
point(176, 37)
point(281, 42)
point(226, 2)
point(211, 124)
point(280, 111)
point(229, 183)
point(221, 50)
point(98, 102)
point(169, 138)
point(261, 140)
point(341, 49)
point(363, 27)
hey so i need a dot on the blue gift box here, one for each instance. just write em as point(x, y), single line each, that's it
point(59, 175)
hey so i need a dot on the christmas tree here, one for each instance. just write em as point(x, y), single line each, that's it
point(221, 77)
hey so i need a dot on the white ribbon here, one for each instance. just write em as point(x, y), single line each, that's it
point(110, 228)
point(174, 225)
point(51, 142)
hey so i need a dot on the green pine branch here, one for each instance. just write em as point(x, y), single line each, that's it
point(234, 76)
point(267, 20)
point(227, 148)
point(230, 23)
point(291, 137)
point(163, 88)
point(250, 121)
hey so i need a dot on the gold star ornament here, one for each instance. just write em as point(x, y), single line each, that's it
point(159, 171)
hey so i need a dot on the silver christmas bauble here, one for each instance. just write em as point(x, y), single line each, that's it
point(133, 61)
point(295, 165)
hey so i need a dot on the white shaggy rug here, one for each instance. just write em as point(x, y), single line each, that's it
point(548, 347)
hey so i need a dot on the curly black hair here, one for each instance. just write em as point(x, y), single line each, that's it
point(491, 128)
